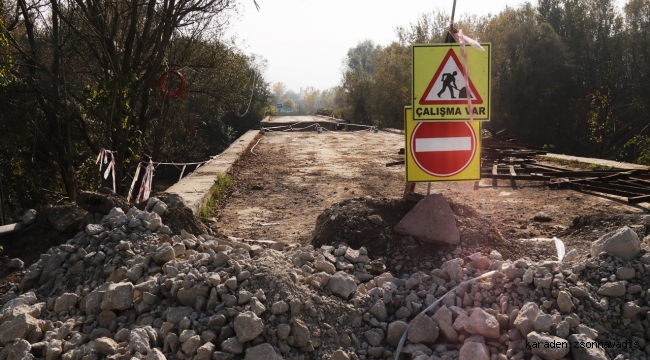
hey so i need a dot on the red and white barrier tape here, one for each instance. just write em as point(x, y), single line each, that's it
point(135, 178)
point(182, 171)
point(145, 186)
point(462, 39)
point(102, 158)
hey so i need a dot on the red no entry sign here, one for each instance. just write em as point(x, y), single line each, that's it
point(443, 149)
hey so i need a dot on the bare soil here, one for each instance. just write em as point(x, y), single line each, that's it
point(291, 178)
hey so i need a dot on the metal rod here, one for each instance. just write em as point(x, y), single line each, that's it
point(2, 204)
point(429, 189)
point(453, 12)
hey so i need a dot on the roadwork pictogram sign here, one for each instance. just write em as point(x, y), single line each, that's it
point(442, 151)
point(440, 87)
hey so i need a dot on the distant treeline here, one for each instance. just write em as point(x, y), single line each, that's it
point(569, 75)
point(78, 76)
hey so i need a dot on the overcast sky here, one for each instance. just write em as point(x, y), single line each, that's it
point(306, 41)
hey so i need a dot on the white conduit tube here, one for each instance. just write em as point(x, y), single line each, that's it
point(403, 339)
point(253, 148)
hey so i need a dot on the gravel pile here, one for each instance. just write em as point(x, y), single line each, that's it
point(128, 288)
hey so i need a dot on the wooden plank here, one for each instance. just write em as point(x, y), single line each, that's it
point(583, 174)
point(409, 187)
point(531, 177)
point(546, 167)
point(640, 181)
point(621, 193)
point(396, 163)
point(638, 199)
point(513, 175)
point(634, 183)
point(614, 177)
point(614, 186)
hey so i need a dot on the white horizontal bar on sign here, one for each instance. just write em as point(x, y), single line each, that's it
point(443, 144)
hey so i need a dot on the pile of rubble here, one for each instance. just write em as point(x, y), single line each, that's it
point(129, 288)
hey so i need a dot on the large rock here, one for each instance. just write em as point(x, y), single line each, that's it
point(17, 328)
point(176, 314)
point(65, 301)
point(524, 322)
point(279, 307)
point(630, 310)
point(232, 346)
point(164, 253)
point(155, 354)
point(482, 323)
point(101, 202)
point(262, 352)
point(564, 302)
point(443, 317)
point(139, 340)
point(474, 348)
point(585, 353)
point(379, 311)
point(395, 331)
point(106, 346)
point(339, 355)
point(430, 221)
point(188, 297)
point(63, 218)
point(623, 243)
point(325, 266)
point(547, 347)
point(301, 335)
point(204, 352)
point(17, 350)
point(615, 289)
point(29, 217)
point(342, 284)
point(118, 296)
point(248, 326)
point(191, 345)
point(54, 349)
point(422, 330)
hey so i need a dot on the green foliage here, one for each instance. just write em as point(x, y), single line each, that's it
point(572, 73)
point(639, 146)
point(219, 190)
point(81, 93)
point(289, 105)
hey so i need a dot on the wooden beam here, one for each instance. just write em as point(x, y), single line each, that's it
point(600, 189)
point(638, 199)
point(615, 186)
point(531, 177)
point(513, 175)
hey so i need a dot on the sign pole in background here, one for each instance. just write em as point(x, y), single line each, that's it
point(441, 91)
point(441, 151)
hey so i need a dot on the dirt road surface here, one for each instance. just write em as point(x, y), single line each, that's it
point(294, 176)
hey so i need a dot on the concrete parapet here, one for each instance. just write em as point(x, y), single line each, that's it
point(195, 189)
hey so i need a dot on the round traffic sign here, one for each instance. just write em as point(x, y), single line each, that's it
point(443, 149)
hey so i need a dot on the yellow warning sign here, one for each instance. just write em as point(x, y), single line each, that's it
point(441, 151)
point(441, 89)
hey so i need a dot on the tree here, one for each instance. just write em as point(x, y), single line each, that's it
point(358, 81)
point(93, 67)
point(289, 105)
point(278, 92)
point(391, 90)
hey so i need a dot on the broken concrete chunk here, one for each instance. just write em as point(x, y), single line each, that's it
point(430, 221)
